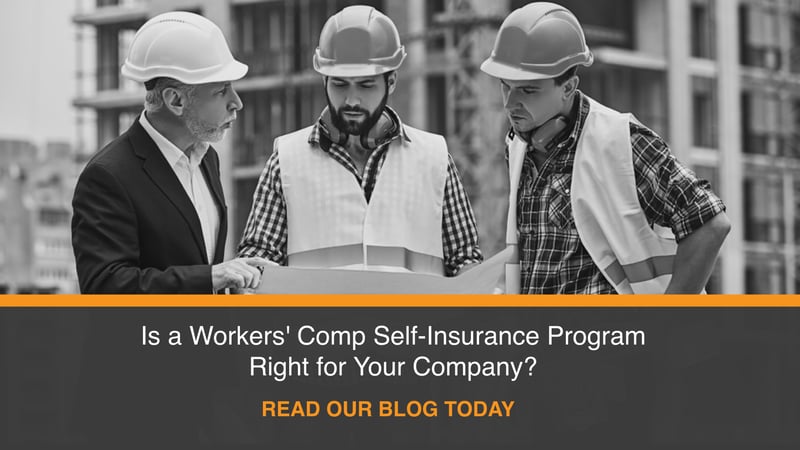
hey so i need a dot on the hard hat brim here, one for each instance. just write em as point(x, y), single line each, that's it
point(507, 72)
point(233, 70)
point(377, 66)
point(353, 70)
point(374, 66)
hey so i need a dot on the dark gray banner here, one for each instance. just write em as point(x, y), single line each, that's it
point(357, 378)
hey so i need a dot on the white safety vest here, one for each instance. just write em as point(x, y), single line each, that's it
point(610, 222)
point(517, 149)
point(330, 223)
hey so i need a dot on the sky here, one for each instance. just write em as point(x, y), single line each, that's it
point(37, 75)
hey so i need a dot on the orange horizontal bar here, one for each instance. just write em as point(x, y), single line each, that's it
point(398, 300)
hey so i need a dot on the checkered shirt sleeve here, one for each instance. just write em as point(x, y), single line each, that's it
point(670, 194)
point(265, 234)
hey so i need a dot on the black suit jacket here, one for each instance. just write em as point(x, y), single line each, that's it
point(134, 228)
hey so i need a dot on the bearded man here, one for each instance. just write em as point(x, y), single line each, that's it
point(359, 189)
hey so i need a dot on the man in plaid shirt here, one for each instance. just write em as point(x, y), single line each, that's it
point(411, 210)
point(562, 148)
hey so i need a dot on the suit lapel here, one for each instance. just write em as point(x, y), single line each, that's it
point(158, 169)
point(211, 173)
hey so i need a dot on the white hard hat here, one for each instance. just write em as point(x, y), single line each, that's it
point(538, 41)
point(358, 41)
point(184, 46)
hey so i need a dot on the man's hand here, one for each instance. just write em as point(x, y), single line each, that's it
point(251, 291)
point(239, 273)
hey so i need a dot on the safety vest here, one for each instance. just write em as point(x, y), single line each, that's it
point(610, 222)
point(517, 149)
point(634, 257)
point(330, 223)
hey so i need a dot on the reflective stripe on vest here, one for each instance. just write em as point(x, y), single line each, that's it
point(640, 271)
point(516, 156)
point(356, 255)
point(513, 279)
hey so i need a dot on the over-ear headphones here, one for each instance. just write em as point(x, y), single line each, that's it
point(544, 137)
point(380, 133)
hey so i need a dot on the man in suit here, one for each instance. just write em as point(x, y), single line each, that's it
point(149, 212)
point(150, 217)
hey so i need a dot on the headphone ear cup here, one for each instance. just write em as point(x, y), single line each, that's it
point(334, 134)
point(337, 136)
point(544, 136)
point(368, 143)
point(380, 133)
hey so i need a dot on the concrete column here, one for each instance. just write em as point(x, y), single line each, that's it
point(417, 76)
point(649, 26)
point(678, 79)
point(790, 267)
point(730, 142)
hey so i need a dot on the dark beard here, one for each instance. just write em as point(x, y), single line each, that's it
point(350, 126)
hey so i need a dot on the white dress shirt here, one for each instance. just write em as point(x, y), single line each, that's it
point(188, 171)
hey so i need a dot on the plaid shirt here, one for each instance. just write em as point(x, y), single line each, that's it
point(552, 258)
point(266, 232)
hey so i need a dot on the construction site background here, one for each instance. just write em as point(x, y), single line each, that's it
point(718, 79)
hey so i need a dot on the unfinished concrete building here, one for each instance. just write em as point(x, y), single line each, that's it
point(720, 80)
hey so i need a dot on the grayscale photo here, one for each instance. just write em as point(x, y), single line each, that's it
point(219, 146)
point(477, 157)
